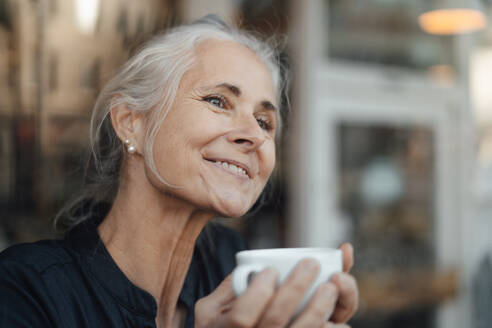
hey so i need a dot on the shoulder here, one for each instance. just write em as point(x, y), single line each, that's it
point(38, 256)
point(25, 271)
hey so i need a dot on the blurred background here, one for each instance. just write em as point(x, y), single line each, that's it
point(388, 143)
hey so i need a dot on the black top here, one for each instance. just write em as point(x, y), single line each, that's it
point(75, 283)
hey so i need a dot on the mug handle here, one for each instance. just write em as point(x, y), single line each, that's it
point(241, 276)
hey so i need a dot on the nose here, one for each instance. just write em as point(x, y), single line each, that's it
point(247, 134)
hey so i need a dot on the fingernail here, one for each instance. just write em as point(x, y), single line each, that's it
point(310, 264)
point(335, 277)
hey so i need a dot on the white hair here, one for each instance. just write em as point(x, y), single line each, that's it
point(148, 83)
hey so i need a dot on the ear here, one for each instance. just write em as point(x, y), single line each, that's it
point(128, 124)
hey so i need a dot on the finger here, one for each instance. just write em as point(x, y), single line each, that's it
point(248, 308)
point(348, 256)
point(207, 308)
point(224, 293)
point(348, 297)
point(290, 294)
point(319, 307)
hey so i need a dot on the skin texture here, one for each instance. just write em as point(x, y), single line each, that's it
point(209, 122)
point(224, 110)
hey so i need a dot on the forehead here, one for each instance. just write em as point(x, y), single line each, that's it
point(219, 61)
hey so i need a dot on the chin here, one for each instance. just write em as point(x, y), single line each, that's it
point(229, 210)
point(233, 213)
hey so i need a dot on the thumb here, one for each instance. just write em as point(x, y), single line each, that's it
point(348, 256)
point(209, 308)
point(224, 293)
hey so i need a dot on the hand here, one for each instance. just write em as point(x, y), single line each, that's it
point(263, 305)
point(348, 293)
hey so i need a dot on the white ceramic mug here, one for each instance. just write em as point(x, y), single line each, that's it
point(283, 260)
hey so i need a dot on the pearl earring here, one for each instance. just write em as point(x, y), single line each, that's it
point(130, 148)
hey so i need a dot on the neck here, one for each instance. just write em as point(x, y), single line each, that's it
point(151, 238)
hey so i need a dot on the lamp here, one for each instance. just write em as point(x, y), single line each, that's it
point(448, 17)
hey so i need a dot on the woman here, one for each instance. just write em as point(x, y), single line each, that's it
point(183, 133)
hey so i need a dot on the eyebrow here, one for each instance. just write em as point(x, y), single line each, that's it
point(232, 88)
point(268, 105)
point(237, 92)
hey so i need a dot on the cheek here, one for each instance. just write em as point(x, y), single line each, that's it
point(269, 159)
point(169, 155)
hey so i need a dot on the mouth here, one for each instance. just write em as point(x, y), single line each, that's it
point(236, 168)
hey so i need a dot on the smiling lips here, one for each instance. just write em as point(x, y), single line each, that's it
point(235, 168)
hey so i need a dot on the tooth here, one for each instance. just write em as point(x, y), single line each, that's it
point(233, 168)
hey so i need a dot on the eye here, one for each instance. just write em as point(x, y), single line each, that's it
point(264, 124)
point(217, 101)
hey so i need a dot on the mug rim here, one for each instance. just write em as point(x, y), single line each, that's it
point(289, 251)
